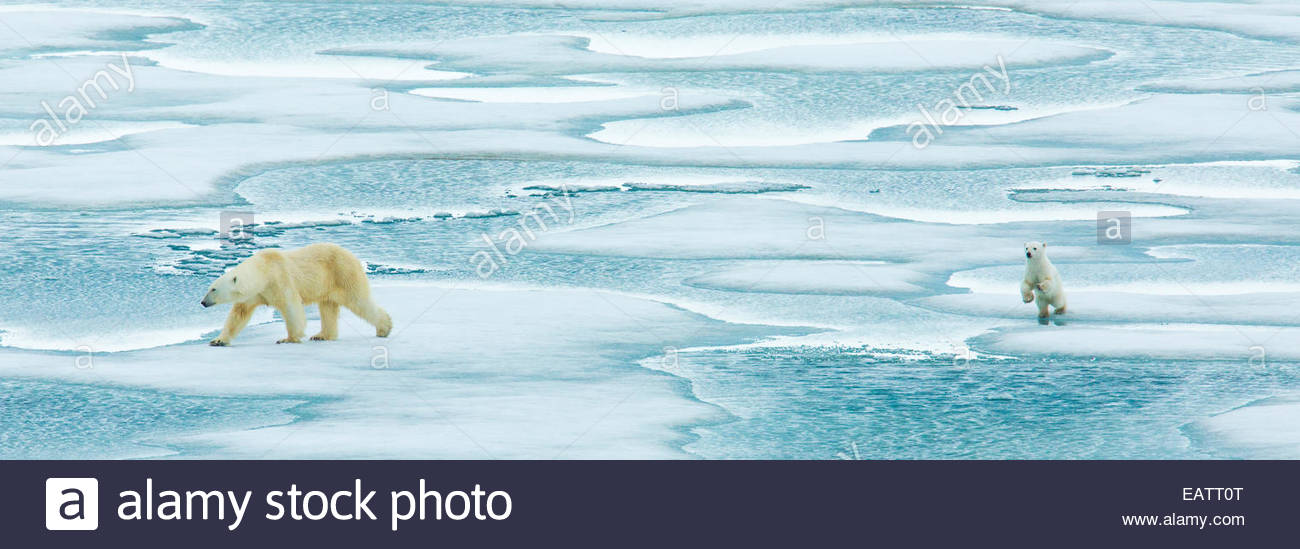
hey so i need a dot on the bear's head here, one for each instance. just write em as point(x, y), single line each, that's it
point(1035, 249)
point(237, 284)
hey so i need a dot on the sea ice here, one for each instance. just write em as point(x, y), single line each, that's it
point(538, 377)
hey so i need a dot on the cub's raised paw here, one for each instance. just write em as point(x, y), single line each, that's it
point(219, 343)
point(1027, 297)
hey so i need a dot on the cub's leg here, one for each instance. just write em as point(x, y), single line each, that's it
point(1059, 304)
point(1042, 303)
point(1026, 292)
point(329, 322)
point(240, 313)
point(373, 314)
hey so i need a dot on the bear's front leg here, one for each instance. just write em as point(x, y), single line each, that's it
point(239, 315)
point(295, 318)
point(1026, 293)
point(1045, 284)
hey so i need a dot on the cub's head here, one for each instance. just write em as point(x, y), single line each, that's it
point(238, 284)
point(1035, 249)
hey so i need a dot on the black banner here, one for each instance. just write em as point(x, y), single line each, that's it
point(649, 503)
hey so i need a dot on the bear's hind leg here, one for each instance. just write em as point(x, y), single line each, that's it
point(329, 322)
point(1058, 302)
point(1042, 302)
point(373, 314)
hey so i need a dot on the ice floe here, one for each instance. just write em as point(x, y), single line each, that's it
point(517, 383)
point(1262, 179)
point(812, 277)
point(90, 133)
point(379, 70)
point(661, 182)
point(548, 94)
point(1281, 81)
point(46, 29)
point(1228, 343)
point(1269, 428)
point(1271, 19)
point(573, 54)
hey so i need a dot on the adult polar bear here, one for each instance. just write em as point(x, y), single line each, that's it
point(1042, 282)
point(288, 280)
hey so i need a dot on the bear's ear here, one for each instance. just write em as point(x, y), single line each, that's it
point(1044, 245)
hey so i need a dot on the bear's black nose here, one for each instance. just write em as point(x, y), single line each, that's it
point(1029, 255)
point(205, 303)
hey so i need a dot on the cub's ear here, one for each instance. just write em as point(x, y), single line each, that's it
point(1044, 245)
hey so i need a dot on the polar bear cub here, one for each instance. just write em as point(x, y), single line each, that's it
point(1042, 282)
point(290, 279)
